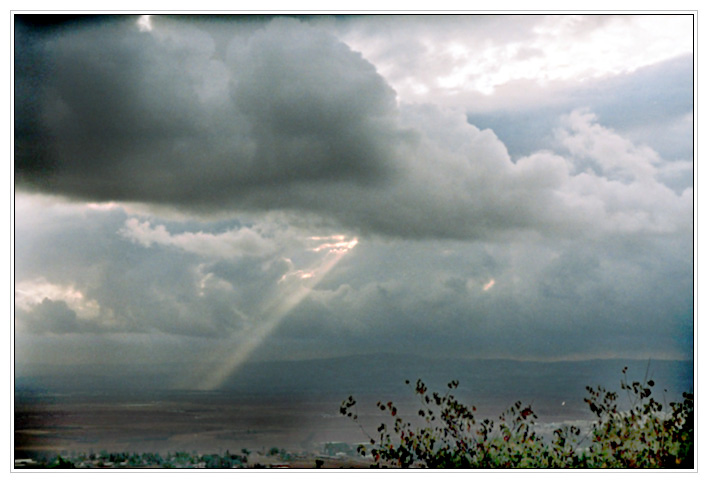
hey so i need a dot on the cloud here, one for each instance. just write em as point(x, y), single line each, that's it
point(155, 118)
point(233, 243)
point(551, 295)
point(53, 308)
point(118, 274)
point(453, 60)
point(291, 119)
point(255, 151)
point(617, 157)
point(30, 293)
point(54, 316)
point(549, 299)
point(623, 179)
point(651, 106)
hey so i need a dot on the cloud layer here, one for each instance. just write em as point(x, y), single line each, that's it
point(292, 119)
point(181, 181)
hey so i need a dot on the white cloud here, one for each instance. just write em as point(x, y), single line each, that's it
point(617, 157)
point(238, 242)
point(468, 54)
point(617, 183)
point(29, 293)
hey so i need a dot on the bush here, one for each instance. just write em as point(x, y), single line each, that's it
point(450, 436)
point(643, 436)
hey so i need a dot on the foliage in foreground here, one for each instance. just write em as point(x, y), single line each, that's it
point(449, 436)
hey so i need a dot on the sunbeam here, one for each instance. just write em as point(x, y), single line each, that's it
point(292, 291)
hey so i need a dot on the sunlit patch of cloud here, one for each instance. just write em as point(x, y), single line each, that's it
point(145, 23)
point(547, 49)
point(487, 286)
point(29, 293)
point(233, 243)
point(334, 244)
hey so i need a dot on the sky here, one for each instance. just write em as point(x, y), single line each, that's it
point(202, 191)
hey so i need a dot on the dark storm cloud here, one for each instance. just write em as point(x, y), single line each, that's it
point(129, 115)
point(316, 109)
point(287, 118)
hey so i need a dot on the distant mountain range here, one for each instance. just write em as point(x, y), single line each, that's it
point(491, 382)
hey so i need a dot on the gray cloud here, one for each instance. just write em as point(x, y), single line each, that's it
point(289, 119)
point(54, 316)
point(241, 141)
point(135, 116)
point(548, 300)
point(619, 293)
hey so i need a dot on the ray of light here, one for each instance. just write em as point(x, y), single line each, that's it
point(293, 290)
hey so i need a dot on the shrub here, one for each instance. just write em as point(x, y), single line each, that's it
point(448, 435)
point(643, 436)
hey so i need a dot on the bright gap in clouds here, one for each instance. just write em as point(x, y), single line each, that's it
point(291, 291)
point(144, 23)
point(29, 293)
point(559, 48)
